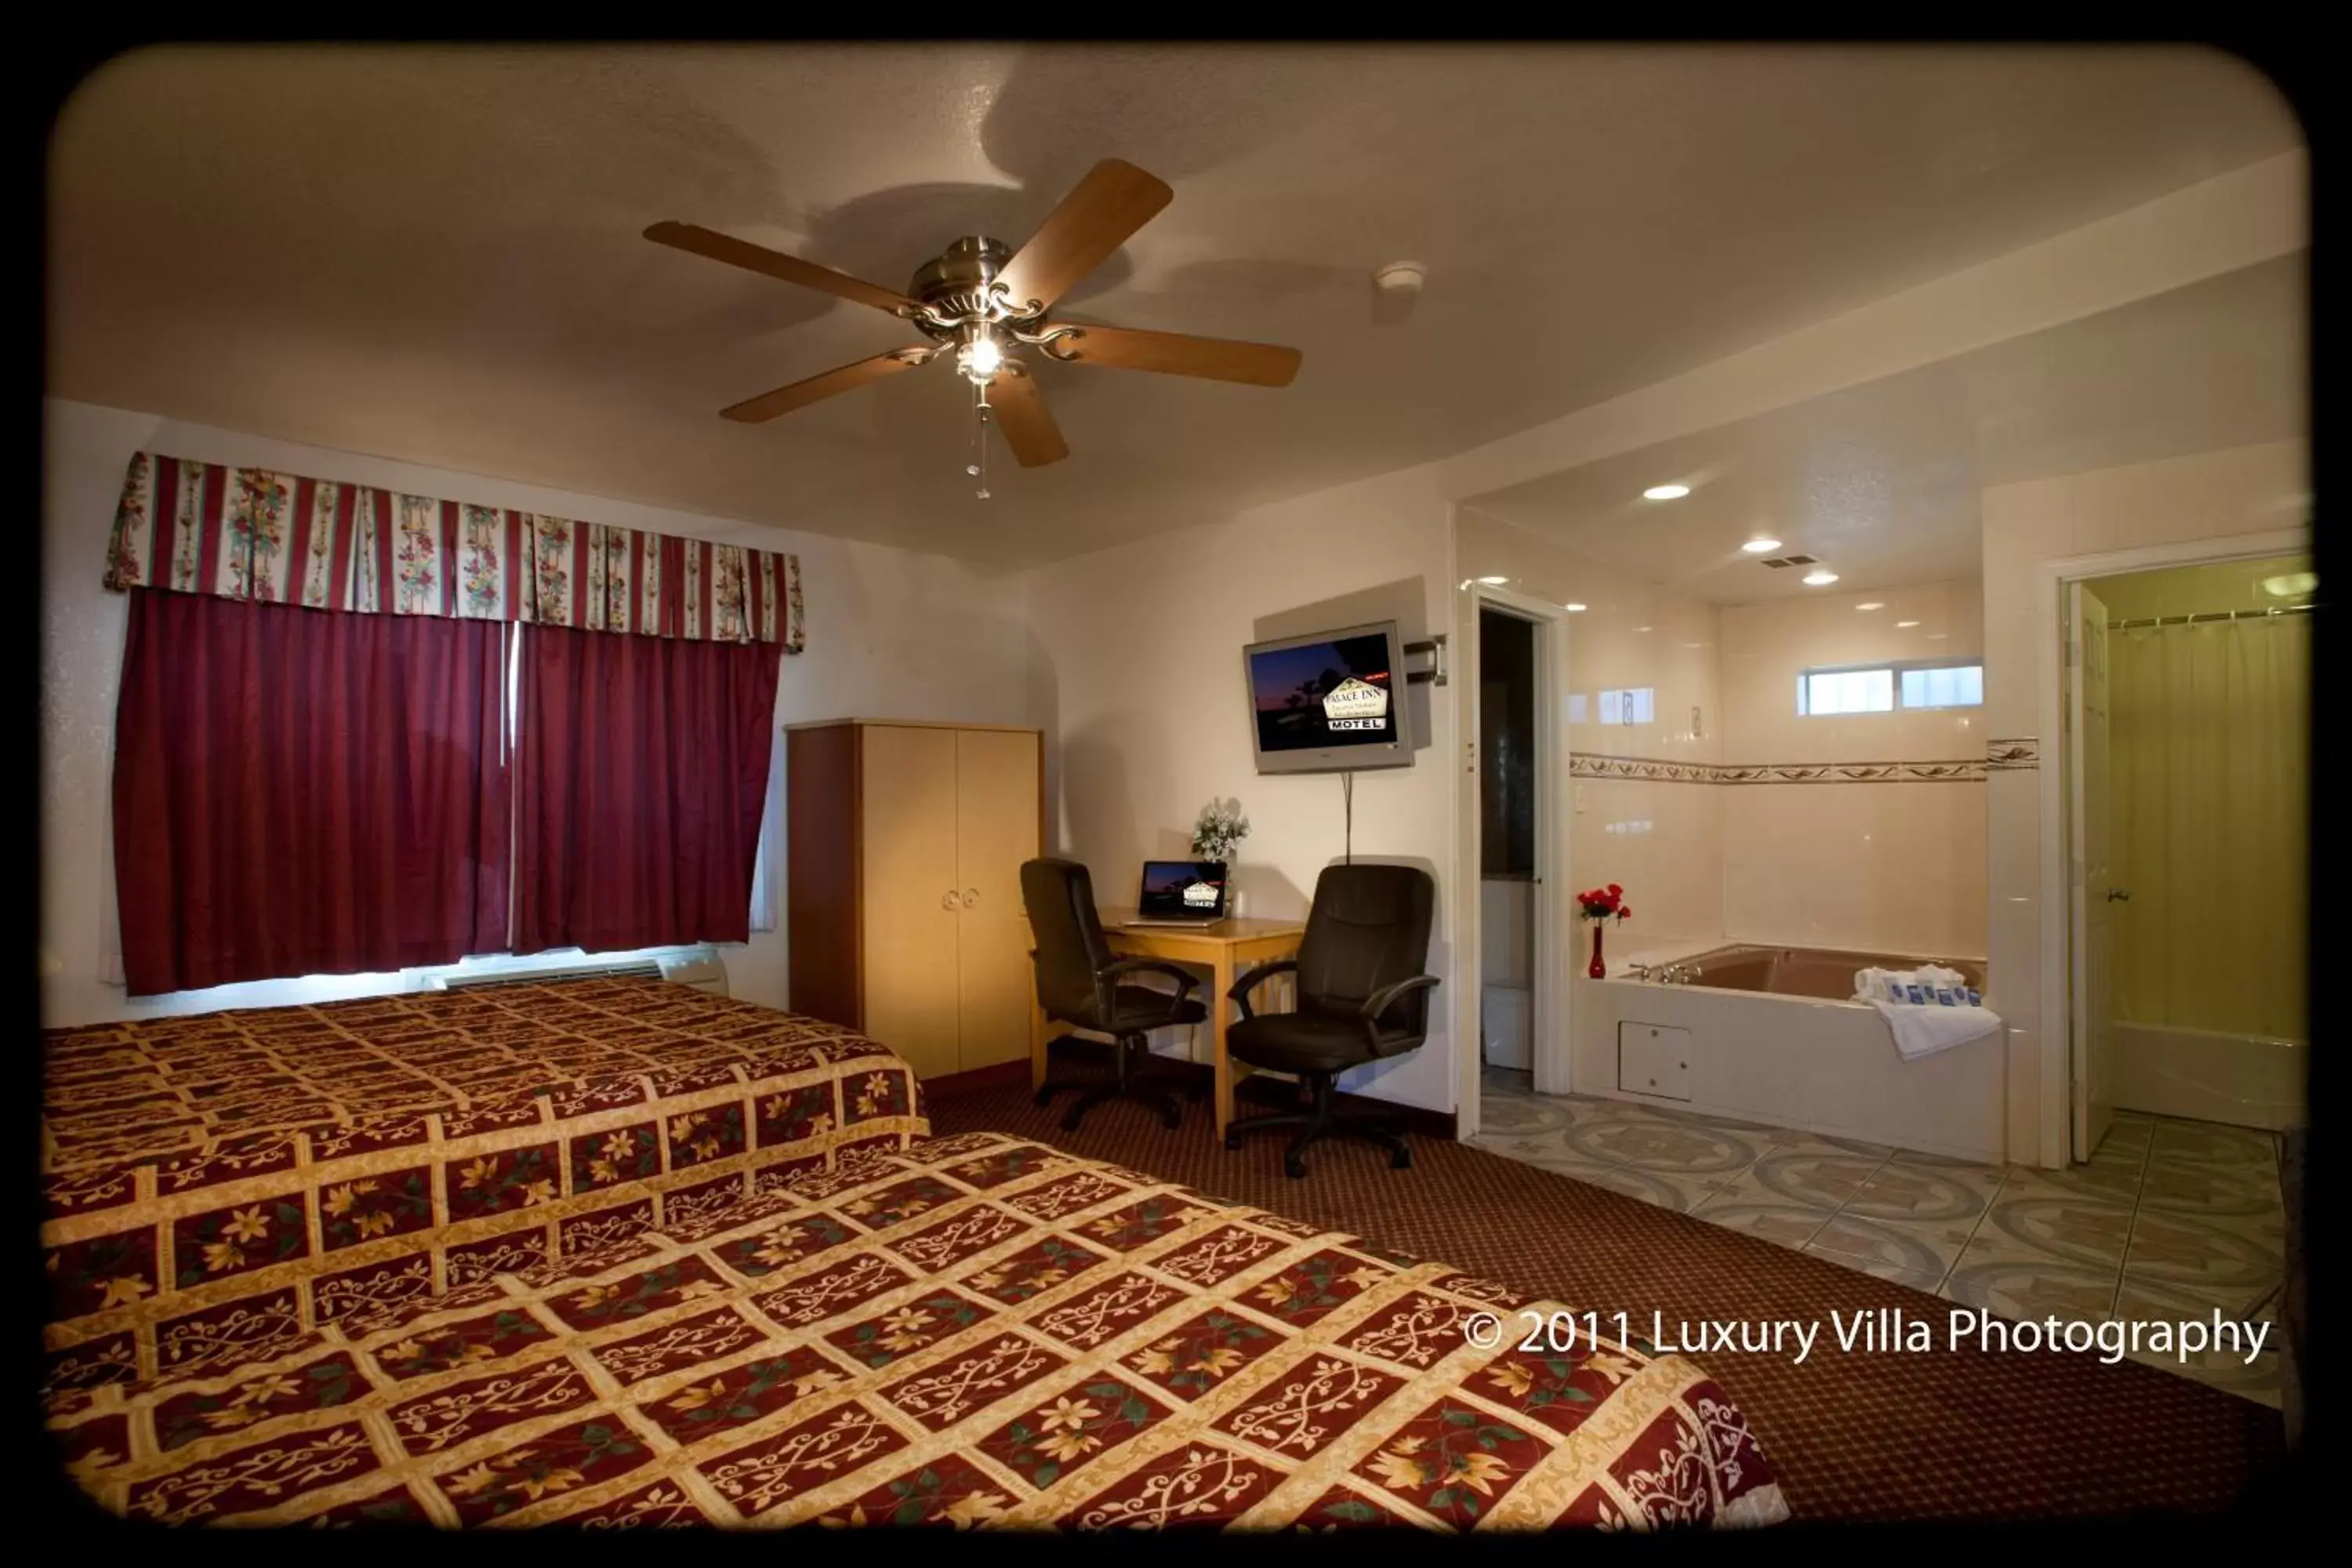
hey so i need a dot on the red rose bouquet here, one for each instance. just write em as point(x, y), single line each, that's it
point(1601, 906)
point(1605, 904)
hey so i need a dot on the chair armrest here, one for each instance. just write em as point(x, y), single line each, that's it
point(1246, 984)
point(1119, 968)
point(1107, 977)
point(1380, 1002)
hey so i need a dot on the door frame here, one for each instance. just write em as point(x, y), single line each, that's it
point(1548, 1020)
point(2054, 1007)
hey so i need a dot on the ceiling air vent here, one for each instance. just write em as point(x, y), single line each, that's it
point(1780, 560)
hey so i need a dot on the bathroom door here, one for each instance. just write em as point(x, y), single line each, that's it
point(2091, 873)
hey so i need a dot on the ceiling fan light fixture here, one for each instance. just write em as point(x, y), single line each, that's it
point(979, 357)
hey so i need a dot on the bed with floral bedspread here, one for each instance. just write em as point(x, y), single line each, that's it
point(971, 1330)
point(218, 1184)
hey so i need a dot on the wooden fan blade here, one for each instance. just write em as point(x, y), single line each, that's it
point(1028, 425)
point(743, 253)
point(816, 388)
point(1179, 354)
point(1111, 203)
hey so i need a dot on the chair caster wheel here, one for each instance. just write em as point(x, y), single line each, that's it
point(1233, 1140)
point(1294, 1167)
point(1070, 1121)
point(1400, 1161)
point(1169, 1118)
point(1042, 1098)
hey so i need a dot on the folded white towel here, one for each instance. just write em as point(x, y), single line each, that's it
point(1923, 1031)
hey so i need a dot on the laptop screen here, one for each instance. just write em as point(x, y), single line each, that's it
point(1181, 888)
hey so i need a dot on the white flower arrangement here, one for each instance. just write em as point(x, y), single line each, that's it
point(1218, 831)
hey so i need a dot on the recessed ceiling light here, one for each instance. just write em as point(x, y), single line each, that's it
point(1821, 577)
point(1572, 609)
point(1641, 628)
point(1494, 582)
point(1666, 493)
point(1904, 625)
point(1761, 546)
point(2288, 587)
point(1873, 604)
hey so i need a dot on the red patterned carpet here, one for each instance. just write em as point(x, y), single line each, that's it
point(1852, 1435)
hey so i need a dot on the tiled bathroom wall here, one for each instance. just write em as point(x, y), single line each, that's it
point(1897, 862)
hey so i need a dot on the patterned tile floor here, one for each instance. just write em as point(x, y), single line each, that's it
point(2171, 1220)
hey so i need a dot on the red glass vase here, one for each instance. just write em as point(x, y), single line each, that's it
point(1598, 969)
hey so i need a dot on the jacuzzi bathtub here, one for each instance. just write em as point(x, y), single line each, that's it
point(1825, 973)
point(1771, 1034)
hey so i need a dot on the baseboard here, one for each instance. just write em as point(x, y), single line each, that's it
point(978, 1080)
point(1261, 1090)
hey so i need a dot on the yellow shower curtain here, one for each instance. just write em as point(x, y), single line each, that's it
point(2210, 771)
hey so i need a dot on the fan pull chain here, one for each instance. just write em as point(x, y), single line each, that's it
point(978, 467)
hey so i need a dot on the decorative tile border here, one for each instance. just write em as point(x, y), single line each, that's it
point(1654, 770)
point(2005, 756)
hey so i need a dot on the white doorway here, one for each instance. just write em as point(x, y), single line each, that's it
point(1512, 1008)
point(2180, 810)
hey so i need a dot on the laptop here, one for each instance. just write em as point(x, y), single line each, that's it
point(1181, 893)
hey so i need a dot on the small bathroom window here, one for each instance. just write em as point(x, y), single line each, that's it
point(1824, 691)
point(1944, 686)
point(1885, 688)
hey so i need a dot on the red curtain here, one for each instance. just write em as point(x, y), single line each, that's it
point(303, 793)
point(641, 768)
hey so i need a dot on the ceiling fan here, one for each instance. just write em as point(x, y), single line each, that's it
point(980, 300)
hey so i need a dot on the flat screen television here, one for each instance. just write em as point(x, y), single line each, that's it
point(1331, 701)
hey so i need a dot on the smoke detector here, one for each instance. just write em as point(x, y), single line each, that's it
point(1400, 278)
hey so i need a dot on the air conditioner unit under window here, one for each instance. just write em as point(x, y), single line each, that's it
point(699, 968)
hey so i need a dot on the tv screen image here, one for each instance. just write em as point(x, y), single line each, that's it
point(1328, 701)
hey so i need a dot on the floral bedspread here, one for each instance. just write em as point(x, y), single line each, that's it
point(972, 1331)
point(218, 1184)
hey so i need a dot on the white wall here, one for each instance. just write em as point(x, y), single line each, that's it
point(891, 633)
point(2211, 496)
point(1143, 645)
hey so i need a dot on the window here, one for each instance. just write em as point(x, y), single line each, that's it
point(1945, 686)
point(1822, 691)
point(1883, 689)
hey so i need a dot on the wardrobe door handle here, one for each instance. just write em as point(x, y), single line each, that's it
point(948, 900)
point(971, 897)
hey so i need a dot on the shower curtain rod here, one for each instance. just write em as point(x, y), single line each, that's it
point(2210, 615)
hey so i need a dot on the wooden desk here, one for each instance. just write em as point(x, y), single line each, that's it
point(1227, 949)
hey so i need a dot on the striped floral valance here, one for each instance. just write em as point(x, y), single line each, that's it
point(248, 533)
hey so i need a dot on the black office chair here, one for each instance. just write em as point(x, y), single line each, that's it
point(1362, 997)
point(1078, 981)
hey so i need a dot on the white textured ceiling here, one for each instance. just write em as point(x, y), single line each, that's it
point(1881, 482)
point(435, 253)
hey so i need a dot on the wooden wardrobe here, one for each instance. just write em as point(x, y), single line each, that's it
point(903, 843)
